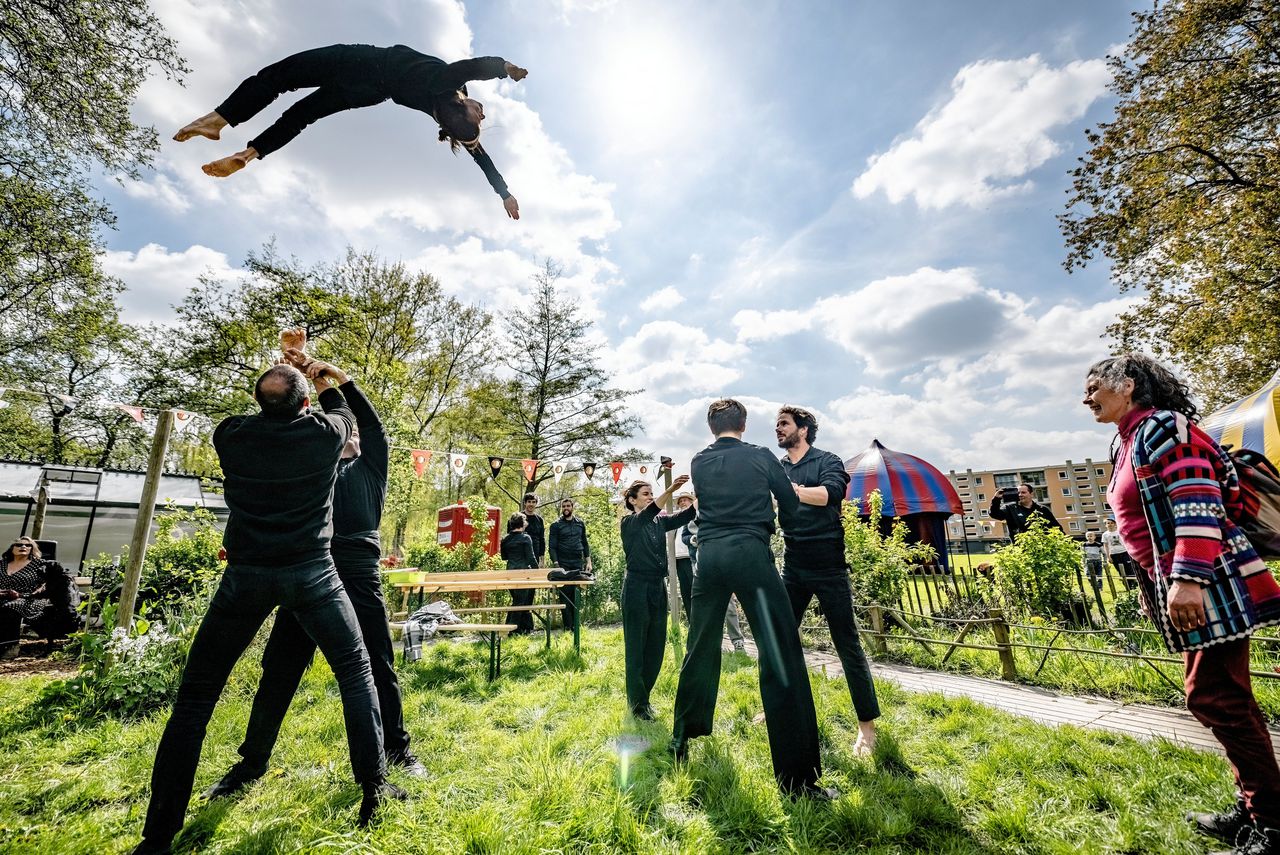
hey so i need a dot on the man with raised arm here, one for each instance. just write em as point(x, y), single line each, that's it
point(735, 520)
point(279, 467)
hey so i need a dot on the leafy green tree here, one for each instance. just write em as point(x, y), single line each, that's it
point(1032, 576)
point(1181, 190)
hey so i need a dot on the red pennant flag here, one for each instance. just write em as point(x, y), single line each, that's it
point(421, 457)
point(616, 468)
point(135, 412)
point(530, 468)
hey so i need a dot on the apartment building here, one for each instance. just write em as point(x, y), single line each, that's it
point(1076, 492)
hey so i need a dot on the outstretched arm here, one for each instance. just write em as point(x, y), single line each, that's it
point(499, 186)
point(455, 75)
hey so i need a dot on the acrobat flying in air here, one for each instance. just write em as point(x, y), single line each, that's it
point(346, 77)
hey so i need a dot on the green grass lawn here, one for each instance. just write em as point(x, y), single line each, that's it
point(544, 760)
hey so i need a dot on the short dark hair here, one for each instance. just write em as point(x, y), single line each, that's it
point(726, 414)
point(280, 391)
point(530, 497)
point(629, 497)
point(515, 522)
point(803, 419)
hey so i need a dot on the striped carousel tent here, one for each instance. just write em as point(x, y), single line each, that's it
point(1252, 422)
point(913, 490)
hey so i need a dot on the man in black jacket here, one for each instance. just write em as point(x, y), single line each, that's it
point(735, 520)
point(535, 527)
point(814, 562)
point(1017, 515)
point(568, 549)
point(279, 467)
point(358, 496)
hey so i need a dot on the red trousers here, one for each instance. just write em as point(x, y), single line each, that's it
point(1220, 696)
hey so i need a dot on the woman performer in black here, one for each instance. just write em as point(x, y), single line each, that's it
point(517, 550)
point(346, 77)
point(644, 588)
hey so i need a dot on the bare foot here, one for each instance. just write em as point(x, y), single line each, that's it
point(209, 125)
point(865, 746)
point(229, 165)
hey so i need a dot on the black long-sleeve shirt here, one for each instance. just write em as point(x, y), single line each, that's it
point(567, 544)
point(735, 479)
point(278, 480)
point(419, 82)
point(517, 550)
point(537, 531)
point(360, 490)
point(814, 534)
point(1018, 518)
point(644, 538)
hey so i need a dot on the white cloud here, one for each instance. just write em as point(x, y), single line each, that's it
point(665, 298)
point(667, 359)
point(157, 278)
point(992, 132)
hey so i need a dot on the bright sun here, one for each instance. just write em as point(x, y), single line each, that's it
point(649, 90)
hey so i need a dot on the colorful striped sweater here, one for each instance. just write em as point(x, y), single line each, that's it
point(1189, 487)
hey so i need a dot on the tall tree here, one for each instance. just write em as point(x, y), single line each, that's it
point(1181, 190)
point(555, 401)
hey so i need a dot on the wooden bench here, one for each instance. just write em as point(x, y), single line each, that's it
point(495, 631)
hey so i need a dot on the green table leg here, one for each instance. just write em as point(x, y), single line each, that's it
point(577, 621)
point(493, 638)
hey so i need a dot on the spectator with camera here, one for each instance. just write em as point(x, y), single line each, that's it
point(1016, 507)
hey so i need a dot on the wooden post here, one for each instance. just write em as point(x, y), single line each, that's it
point(673, 577)
point(878, 643)
point(42, 504)
point(142, 525)
point(1000, 629)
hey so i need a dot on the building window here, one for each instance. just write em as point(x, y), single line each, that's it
point(1075, 525)
point(1071, 509)
point(1066, 491)
point(985, 514)
point(977, 479)
point(982, 497)
point(1101, 472)
point(1062, 475)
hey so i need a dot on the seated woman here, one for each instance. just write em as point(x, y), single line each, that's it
point(24, 596)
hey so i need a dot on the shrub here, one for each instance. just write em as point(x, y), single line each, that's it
point(1032, 577)
point(878, 563)
point(1128, 610)
point(602, 601)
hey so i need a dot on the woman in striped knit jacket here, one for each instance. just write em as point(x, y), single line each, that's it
point(1174, 492)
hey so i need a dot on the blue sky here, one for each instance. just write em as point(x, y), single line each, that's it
point(844, 205)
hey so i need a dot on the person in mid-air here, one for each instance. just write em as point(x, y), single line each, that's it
point(346, 77)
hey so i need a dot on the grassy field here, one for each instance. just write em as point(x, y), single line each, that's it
point(544, 760)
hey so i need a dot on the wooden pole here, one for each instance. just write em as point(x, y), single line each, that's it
point(1000, 629)
point(42, 504)
point(877, 626)
point(673, 578)
point(142, 525)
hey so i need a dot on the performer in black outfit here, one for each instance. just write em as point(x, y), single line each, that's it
point(735, 520)
point(1017, 515)
point(568, 548)
point(535, 527)
point(358, 496)
point(644, 588)
point(346, 77)
point(517, 550)
point(814, 561)
point(279, 468)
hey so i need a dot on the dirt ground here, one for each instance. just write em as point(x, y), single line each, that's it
point(34, 658)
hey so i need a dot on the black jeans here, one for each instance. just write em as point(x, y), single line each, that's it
point(745, 567)
point(644, 634)
point(289, 652)
point(684, 576)
point(522, 620)
point(567, 593)
point(344, 76)
point(835, 597)
point(245, 597)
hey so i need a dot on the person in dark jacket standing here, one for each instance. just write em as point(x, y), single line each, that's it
point(814, 561)
point(1017, 515)
point(644, 588)
point(517, 550)
point(346, 77)
point(359, 493)
point(279, 468)
point(535, 527)
point(735, 521)
point(569, 549)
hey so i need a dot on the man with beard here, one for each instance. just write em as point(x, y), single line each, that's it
point(1017, 515)
point(814, 561)
point(358, 496)
point(569, 550)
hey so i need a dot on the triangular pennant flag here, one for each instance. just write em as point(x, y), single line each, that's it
point(3, 402)
point(68, 402)
point(557, 469)
point(495, 466)
point(421, 458)
point(589, 470)
point(530, 468)
point(616, 468)
point(134, 412)
point(644, 470)
point(181, 420)
point(458, 462)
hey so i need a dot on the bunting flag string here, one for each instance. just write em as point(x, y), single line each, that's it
point(616, 468)
point(530, 468)
point(557, 470)
point(421, 457)
point(134, 412)
point(182, 420)
point(495, 466)
point(458, 462)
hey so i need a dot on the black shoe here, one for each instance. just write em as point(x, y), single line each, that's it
point(1256, 841)
point(146, 847)
point(237, 778)
point(374, 796)
point(410, 765)
point(679, 749)
point(1224, 826)
point(645, 713)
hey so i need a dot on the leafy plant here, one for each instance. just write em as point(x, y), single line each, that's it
point(1032, 577)
point(1128, 609)
point(879, 563)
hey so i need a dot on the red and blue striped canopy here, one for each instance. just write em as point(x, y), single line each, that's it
point(907, 484)
point(1252, 422)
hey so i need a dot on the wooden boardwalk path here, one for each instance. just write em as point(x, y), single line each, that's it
point(1141, 721)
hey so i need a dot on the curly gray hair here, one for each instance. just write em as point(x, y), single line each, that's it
point(1154, 385)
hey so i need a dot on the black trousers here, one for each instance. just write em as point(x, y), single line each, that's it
point(289, 652)
point(744, 566)
point(244, 598)
point(522, 620)
point(644, 634)
point(566, 594)
point(344, 76)
point(684, 575)
point(835, 596)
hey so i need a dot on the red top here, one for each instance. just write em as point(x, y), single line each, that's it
point(1123, 496)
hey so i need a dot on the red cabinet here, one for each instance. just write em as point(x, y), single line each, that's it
point(454, 527)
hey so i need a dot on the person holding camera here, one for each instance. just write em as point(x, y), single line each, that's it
point(1015, 507)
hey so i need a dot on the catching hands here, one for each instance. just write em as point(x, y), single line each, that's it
point(512, 206)
point(680, 481)
point(515, 72)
